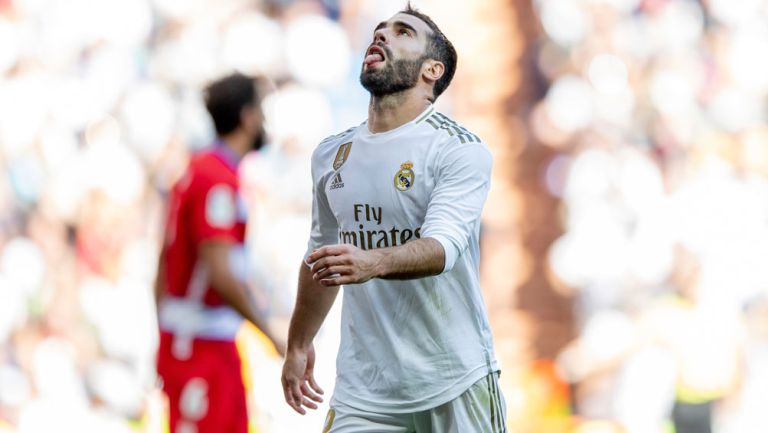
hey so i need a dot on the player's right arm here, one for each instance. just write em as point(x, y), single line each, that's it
point(159, 287)
point(214, 220)
point(216, 254)
point(313, 302)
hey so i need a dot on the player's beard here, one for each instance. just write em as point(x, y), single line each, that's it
point(258, 140)
point(396, 76)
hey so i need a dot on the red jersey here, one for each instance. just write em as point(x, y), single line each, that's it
point(197, 357)
point(204, 205)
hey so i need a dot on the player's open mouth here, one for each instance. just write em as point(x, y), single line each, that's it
point(374, 56)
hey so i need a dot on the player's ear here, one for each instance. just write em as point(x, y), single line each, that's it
point(432, 70)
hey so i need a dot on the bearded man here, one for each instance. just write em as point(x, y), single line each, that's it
point(396, 221)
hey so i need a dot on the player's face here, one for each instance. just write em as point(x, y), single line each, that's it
point(394, 60)
point(253, 122)
point(258, 140)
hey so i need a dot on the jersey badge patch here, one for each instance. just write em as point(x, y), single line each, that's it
point(221, 207)
point(341, 155)
point(405, 176)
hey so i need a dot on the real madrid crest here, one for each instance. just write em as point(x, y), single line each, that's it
point(341, 155)
point(405, 176)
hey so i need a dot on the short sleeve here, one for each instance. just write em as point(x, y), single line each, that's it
point(214, 212)
point(462, 182)
point(325, 227)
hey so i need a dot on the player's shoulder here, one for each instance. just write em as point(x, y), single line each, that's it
point(339, 138)
point(447, 129)
point(331, 144)
point(456, 143)
point(201, 159)
point(207, 168)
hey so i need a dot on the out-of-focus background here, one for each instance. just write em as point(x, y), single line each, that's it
point(625, 247)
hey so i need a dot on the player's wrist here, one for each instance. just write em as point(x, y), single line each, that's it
point(380, 268)
point(296, 346)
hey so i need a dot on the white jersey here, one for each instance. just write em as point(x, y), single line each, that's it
point(407, 345)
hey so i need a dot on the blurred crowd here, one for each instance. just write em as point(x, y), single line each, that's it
point(100, 107)
point(655, 110)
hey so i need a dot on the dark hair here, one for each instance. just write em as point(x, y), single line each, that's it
point(225, 99)
point(438, 48)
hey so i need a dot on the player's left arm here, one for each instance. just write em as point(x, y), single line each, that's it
point(334, 265)
point(462, 182)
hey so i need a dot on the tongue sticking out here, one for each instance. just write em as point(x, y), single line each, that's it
point(373, 58)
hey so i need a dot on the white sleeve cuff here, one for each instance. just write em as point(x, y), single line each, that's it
point(451, 252)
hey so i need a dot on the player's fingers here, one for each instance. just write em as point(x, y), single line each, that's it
point(336, 250)
point(316, 255)
point(314, 385)
point(330, 282)
point(300, 410)
point(339, 280)
point(289, 398)
point(333, 250)
point(286, 394)
point(309, 394)
point(319, 264)
point(308, 403)
point(330, 250)
point(341, 270)
point(289, 395)
point(298, 399)
point(325, 263)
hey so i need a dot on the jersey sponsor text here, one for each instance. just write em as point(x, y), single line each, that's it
point(378, 238)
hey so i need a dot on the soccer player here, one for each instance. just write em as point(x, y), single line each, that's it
point(397, 203)
point(201, 287)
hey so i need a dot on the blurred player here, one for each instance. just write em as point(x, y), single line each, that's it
point(201, 291)
point(396, 218)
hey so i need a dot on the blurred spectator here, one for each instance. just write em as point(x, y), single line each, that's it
point(203, 289)
point(707, 342)
point(99, 108)
point(656, 114)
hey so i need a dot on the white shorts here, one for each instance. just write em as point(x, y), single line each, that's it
point(480, 409)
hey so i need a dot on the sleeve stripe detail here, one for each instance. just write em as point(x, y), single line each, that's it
point(440, 121)
point(472, 136)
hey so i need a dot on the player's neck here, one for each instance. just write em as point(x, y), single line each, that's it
point(391, 111)
point(237, 142)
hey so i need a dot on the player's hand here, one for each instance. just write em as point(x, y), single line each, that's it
point(298, 380)
point(334, 265)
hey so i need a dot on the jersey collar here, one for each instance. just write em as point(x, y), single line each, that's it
point(227, 155)
point(392, 132)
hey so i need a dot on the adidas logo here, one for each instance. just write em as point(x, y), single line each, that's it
point(337, 182)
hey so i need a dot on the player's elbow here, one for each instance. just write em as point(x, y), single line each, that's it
point(449, 252)
point(215, 257)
